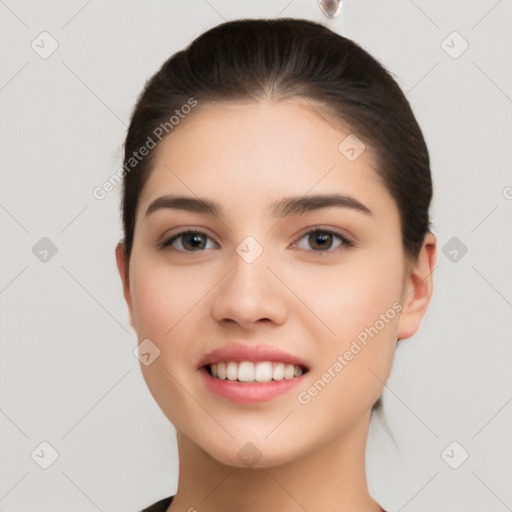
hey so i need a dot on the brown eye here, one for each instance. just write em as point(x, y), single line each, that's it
point(320, 240)
point(188, 241)
point(323, 240)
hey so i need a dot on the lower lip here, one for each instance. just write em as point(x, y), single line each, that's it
point(249, 392)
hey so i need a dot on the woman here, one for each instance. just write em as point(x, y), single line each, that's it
point(276, 246)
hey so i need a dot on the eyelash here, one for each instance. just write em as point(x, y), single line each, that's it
point(346, 243)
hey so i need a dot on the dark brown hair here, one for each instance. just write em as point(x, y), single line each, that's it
point(276, 59)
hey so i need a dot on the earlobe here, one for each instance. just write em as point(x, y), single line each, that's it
point(122, 267)
point(418, 288)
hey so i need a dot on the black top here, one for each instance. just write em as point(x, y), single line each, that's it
point(159, 506)
point(163, 505)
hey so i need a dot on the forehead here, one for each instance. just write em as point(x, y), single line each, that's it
point(243, 152)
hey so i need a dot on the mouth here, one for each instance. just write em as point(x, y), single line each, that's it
point(250, 371)
point(248, 374)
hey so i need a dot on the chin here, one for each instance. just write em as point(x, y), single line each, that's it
point(249, 456)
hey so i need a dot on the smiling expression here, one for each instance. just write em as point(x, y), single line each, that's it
point(255, 234)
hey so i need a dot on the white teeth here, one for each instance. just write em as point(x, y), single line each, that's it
point(278, 371)
point(232, 371)
point(221, 371)
point(246, 371)
point(289, 371)
point(263, 372)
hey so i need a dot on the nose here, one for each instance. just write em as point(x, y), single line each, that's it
point(249, 295)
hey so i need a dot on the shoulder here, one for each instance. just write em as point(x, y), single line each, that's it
point(159, 506)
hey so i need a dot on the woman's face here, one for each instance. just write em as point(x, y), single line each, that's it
point(258, 284)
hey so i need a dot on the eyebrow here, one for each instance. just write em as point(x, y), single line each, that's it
point(295, 205)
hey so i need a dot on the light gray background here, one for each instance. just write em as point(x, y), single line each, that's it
point(68, 374)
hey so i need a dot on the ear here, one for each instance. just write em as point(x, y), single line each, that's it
point(122, 267)
point(418, 288)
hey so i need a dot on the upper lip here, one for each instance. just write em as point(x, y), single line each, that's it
point(239, 352)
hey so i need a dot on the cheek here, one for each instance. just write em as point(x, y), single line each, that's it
point(360, 304)
point(349, 297)
point(163, 298)
point(166, 304)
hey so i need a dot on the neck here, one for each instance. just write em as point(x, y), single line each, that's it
point(332, 477)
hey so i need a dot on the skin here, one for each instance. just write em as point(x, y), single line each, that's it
point(244, 156)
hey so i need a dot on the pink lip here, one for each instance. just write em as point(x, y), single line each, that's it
point(248, 392)
point(238, 352)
